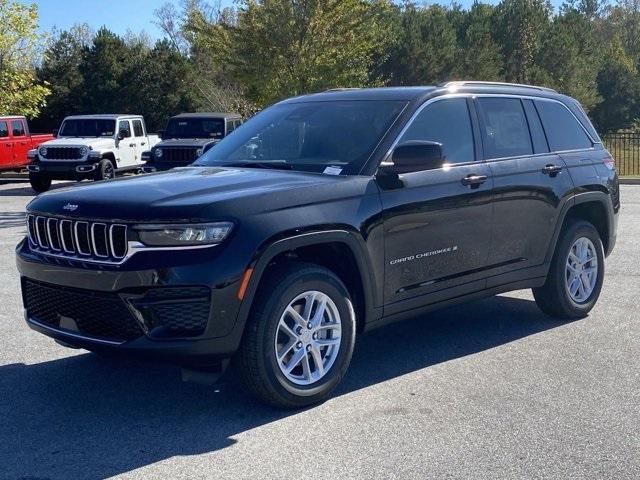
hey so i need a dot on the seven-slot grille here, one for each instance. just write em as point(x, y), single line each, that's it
point(63, 153)
point(184, 155)
point(78, 239)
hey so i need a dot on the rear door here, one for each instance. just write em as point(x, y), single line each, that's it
point(437, 225)
point(6, 145)
point(20, 141)
point(139, 138)
point(529, 182)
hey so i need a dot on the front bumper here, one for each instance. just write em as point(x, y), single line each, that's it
point(126, 310)
point(68, 170)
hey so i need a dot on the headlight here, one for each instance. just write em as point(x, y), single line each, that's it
point(158, 152)
point(183, 234)
point(43, 151)
point(199, 152)
point(84, 151)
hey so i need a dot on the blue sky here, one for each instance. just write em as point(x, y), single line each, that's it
point(120, 15)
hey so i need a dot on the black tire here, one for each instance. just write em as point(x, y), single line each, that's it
point(105, 170)
point(256, 362)
point(40, 183)
point(553, 297)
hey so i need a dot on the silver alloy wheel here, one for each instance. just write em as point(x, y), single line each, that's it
point(581, 272)
point(308, 338)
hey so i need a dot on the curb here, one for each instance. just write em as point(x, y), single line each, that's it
point(629, 181)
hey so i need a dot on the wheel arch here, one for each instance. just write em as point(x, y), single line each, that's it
point(327, 249)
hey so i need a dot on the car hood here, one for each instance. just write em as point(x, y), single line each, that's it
point(186, 142)
point(183, 194)
point(93, 142)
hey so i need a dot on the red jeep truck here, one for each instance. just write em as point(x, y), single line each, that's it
point(16, 141)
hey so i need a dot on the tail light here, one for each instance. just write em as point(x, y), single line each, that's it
point(610, 163)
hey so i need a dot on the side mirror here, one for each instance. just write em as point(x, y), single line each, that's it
point(161, 134)
point(55, 133)
point(122, 134)
point(415, 156)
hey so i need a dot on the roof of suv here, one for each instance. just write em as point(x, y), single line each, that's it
point(109, 116)
point(208, 115)
point(413, 93)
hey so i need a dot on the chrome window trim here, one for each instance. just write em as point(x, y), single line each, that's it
point(93, 239)
point(387, 156)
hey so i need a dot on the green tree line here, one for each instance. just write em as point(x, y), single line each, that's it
point(259, 51)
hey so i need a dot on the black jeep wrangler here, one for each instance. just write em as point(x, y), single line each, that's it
point(324, 216)
point(187, 137)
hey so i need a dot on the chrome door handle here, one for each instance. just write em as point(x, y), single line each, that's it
point(474, 181)
point(132, 144)
point(551, 170)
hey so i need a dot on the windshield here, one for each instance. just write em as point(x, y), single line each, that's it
point(86, 127)
point(195, 128)
point(308, 136)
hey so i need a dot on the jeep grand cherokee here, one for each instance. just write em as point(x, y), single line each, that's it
point(324, 216)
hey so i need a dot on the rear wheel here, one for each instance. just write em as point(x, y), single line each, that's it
point(39, 182)
point(576, 274)
point(105, 170)
point(299, 340)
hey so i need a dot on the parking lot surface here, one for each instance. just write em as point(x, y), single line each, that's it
point(491, 389)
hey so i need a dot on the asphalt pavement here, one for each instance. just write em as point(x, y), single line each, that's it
point(488, 390)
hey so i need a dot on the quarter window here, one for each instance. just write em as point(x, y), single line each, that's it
point(505, 132)
point(137, 128)
point(18, 128)
point(562, 129)
point(446, 122)
point(4, 131)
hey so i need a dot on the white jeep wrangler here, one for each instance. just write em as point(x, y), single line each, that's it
point(90, 147)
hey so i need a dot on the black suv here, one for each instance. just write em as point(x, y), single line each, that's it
point(324, 216)
point(187, 137)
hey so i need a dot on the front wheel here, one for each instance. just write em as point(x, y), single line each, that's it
point(299, 339)
point(105, 170)
point(40, 183)
point(576, 274)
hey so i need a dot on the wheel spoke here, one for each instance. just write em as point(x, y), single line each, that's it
point(296, 316)
point(317, 359)
point(295, 360)
point(325, 342)
point(319, 313)
point(286, 329)
point(306, 366)
point(308, 306)
point(286, 349)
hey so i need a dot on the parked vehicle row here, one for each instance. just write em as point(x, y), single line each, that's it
point(98, 147)
point(325, 216)
point(16, 141)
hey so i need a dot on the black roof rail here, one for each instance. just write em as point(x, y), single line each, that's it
point(462, 83)
point(341, 89)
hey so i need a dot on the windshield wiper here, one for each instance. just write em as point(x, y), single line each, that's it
point(267, 165)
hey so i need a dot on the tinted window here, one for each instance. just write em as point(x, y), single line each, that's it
point(124, 129)
point(308, 136)
point(87, 127)
point(18, 128)
point(137, 128)
point(535, 127)
point(4, 131)
point(505, 132)
point(231, 126)
point(562, 129)
point(184, 127)
point(446, 122)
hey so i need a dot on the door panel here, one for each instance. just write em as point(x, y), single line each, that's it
point(20, 142)
point(6, 145)
point(126, 146)
point(437, 231)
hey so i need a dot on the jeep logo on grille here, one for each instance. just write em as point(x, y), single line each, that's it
point(70, 206)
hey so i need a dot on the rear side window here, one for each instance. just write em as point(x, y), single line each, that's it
point(535, 127)
point(18, 128)
point(231, 126)
point(137, 128)
point(4, 131)
point(446, 122)
point(505, 132)
point(562, 129)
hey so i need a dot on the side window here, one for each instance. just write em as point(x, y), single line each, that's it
point(535, 127)
point(505, 132)
point(4, 131)
point(446, 122)
point(231, 126)
point(123, 127)
point(18, 128)
point(137, 128)
point(562, 129)
point(236, 123)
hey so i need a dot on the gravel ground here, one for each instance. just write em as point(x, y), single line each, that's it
point(491, 389)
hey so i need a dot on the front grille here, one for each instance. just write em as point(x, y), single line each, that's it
point(96, 314)
point(63, 153)
point(179, 155)
point(78, 240)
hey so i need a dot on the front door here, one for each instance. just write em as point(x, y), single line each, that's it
point(126, 145)
point(20, 142)
point(437, 223)
point(139, 139)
